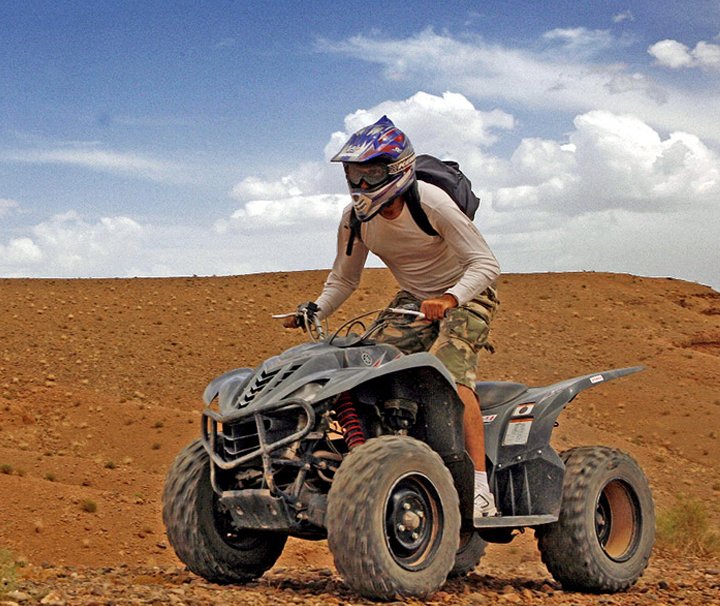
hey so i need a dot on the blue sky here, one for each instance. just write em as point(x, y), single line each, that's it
point(160, 139)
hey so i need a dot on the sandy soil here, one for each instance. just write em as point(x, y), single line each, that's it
point(100, 384)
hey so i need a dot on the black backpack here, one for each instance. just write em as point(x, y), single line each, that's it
point(446, 175)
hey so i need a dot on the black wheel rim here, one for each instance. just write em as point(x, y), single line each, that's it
point(618, 520)
point(413, 522)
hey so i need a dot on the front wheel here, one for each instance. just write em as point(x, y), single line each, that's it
point(606, 529)
point(468, 556)
point(203, 534)
point(393, 519)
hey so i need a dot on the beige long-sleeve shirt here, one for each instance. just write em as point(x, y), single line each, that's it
point(458, 261)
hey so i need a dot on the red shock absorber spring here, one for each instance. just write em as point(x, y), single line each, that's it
point(349, 420)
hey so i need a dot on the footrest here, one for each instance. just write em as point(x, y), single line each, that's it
point(515, 521)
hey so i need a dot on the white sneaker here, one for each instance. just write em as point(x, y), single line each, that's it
point(484, 506)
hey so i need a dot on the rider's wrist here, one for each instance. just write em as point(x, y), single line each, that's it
point(451, 298)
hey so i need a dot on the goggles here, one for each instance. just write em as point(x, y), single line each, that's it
point(374, 173)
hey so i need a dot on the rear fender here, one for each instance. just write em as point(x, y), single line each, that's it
point(525, 423)
point(526, 471)
point(554, 398)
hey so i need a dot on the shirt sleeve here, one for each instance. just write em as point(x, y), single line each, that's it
point(344, 278)
point(480, 267)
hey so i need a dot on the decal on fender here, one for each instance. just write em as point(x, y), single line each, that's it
point(523, 410)
point(517, 432)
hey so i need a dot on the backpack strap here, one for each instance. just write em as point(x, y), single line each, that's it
point(412, 199)
point(354, 227)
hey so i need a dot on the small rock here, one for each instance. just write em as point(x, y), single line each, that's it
point(53, 599)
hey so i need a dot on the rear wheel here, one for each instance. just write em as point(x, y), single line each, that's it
point(606, 529)
point(393, 519)
point(202, 532)
point(468, 556)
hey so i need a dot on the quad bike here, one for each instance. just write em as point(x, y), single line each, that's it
point(350, 440)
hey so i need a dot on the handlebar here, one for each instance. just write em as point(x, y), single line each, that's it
point(314, 326)
point(410, 312)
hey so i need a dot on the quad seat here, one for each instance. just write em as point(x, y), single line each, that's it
point(496, 393)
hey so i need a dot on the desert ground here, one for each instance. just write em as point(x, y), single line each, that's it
point(101, 383)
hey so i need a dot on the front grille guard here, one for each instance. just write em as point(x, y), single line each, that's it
point(211, 419)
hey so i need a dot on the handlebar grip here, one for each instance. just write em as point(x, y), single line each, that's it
point(410, 312)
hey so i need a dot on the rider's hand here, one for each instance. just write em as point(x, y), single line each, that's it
point(435, 309)
point(304, 311)
point(291, 322)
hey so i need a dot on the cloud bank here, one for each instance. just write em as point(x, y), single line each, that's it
point(567, 70)
point(612, 195)
point(630, 181)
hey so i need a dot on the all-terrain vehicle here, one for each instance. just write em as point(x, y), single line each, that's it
point(346, 439)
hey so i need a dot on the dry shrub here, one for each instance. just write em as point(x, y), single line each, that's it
point(686, 528)
point(8, 571)
point(88, 505)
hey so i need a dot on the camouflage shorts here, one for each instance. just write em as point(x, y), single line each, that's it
point(456, 340)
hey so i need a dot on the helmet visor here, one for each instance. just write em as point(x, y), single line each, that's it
point(373, 173)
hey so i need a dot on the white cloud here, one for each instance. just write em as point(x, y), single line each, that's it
point(66, 245)
point(676, 55)
point(551, 78)
point(624, 16)
point(303, 213)
point(677, 244)
point(613, 175)
point(308, 178)
point(580, 40)
point(7, 206)
point(133, 165)
point(612, 161)
point(20, 252)
point(70, 246)
point(707, 54)
point(447, 126)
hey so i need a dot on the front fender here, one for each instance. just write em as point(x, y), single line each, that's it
point(346, 379)
point(227, 385)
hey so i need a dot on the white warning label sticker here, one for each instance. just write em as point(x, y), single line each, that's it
point(517, 432)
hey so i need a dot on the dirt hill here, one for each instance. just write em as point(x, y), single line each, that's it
point(100, 385)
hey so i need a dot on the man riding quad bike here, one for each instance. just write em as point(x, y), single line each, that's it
point(377, 442)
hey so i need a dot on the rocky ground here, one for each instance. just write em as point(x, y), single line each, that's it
point(667, 582)
point(100, 384)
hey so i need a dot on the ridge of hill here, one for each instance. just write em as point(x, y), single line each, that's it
point(100, 385)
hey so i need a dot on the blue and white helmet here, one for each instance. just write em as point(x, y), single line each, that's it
point(379, 163)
